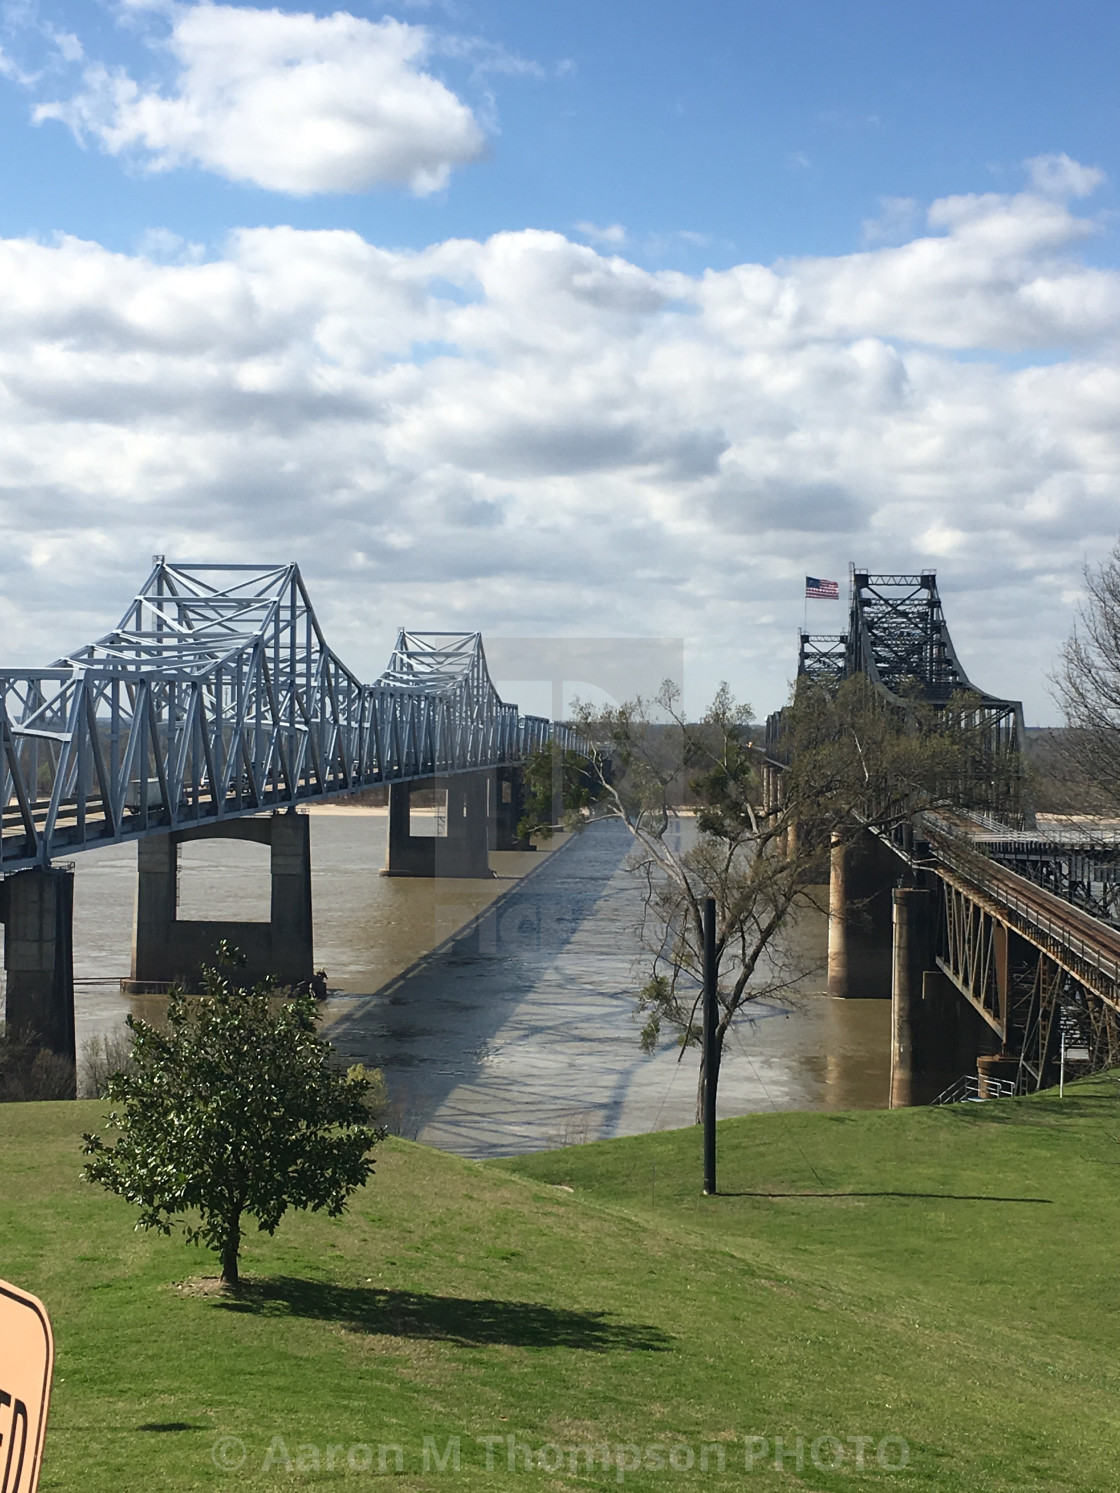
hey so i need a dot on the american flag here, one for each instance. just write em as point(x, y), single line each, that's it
point(822, 590)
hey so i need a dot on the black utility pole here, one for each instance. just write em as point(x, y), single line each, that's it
point(711, 1018)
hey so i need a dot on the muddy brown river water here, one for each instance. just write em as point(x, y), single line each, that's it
point(501, 1012)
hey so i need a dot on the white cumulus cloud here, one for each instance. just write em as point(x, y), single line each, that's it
point(532, 437)
point(291, 102)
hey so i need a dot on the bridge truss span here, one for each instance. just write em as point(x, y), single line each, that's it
point(1026, 959)
point(217, 696)
point(898, 640)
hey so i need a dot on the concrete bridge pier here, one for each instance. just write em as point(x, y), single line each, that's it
point(861, 874)
point(37, 909)
point(506, 789)
point(769, 788)
point(462, 851)
point(166, 948)
point(911, 956)
point(936, 1035)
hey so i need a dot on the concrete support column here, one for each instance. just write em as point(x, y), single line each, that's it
point(400, 802)
point(506, 806)
point(911, 958)
point(793, 840)
point(166, 948)
point(837, 916)
point(157, 898)
point(465, 851)
point(861, 873)
point(462, 851)
point(38, 912)
point(292, 933)
point(769, 788)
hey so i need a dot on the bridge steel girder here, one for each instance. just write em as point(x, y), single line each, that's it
point(975, 955)
point(1029, 962)
point(218, 697)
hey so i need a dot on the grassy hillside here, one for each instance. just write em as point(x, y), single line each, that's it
point(942, 1279)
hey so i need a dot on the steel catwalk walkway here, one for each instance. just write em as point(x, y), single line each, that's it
point(217, 697)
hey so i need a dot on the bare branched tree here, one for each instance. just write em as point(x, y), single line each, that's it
point(759, 851)
point(1087, 687)
point(744, 854)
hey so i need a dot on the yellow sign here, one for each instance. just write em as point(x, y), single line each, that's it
point(26, 1362)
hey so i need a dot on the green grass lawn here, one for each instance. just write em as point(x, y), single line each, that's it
point(936, 1280)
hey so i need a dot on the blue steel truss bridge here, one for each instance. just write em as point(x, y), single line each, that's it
point(218, 697)
point(215, 711)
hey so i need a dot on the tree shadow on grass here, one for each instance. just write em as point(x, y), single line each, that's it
point(451, 1319)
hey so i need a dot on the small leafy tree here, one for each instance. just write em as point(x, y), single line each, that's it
point(235, 1110)
point(643, 753)
point(560, 789)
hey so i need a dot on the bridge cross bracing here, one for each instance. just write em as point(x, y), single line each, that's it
point(216, 697)
point(898, 640)
point(1026, 956)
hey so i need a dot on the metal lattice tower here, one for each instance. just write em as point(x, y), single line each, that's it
point(898, 639)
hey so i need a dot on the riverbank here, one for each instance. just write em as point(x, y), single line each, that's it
point(931, 1286)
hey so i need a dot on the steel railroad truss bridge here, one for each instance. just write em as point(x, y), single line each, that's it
point(997, 939)
point(215, 710)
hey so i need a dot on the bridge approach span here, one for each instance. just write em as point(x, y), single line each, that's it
point(1040, 971)
point(218, 697)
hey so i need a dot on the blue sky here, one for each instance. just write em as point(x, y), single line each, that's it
point(607, 319)
point(764, 130)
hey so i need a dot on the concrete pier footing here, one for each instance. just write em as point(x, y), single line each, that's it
point(463, 850)
point(166, 948)
point(37, 908)
point(910, 959)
